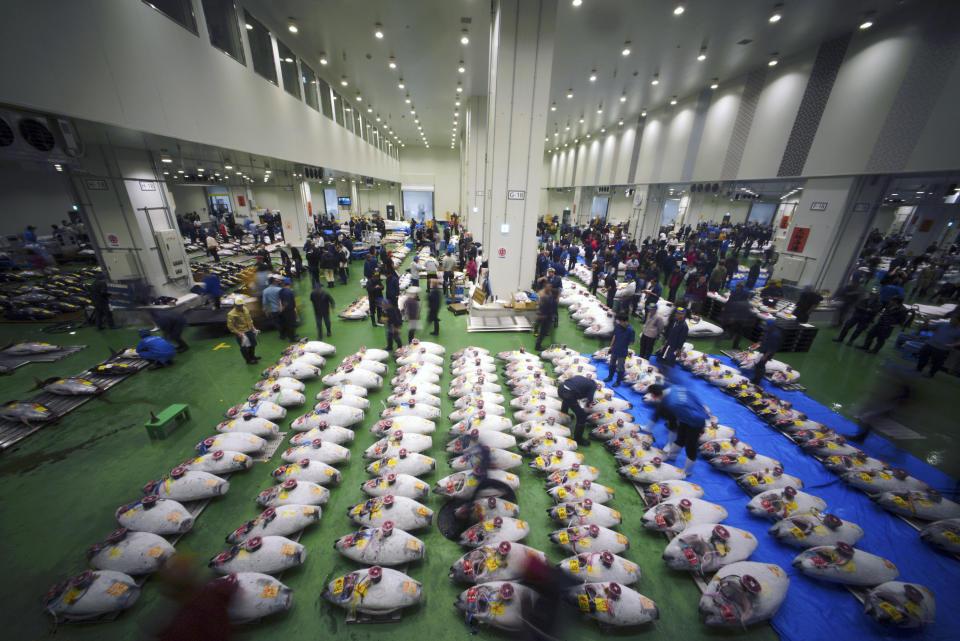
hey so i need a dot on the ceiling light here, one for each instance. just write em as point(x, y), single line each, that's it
point(407, 99)
point(459, 87)
point(460, 67)
point(464, 37)
point(775, 16)
point(457, 102)
point(620, 122)
point(866, 24)
point(343, 81)
point(179, 171)
point(400, 84)
point(569, 93)
point(323, 59)
point(200, 170)
point(673, 100)
point(577, 3)
point(600, 108)
point(553, 107)
point(703, 54)
point(581, 119)
point(588, 136)
point(547, 139)
point(359, 97)
point(593, 76)
point(556, 133)
point(643, 113)
point(455, 113)
point(378, 31)
point(715, 83)
point(623, 97)
point(288, 59)
point(416, 120)
point(248, 26)
point(603, 130)
point(167, 159)
point(567, 128)
point(392, 62)
point(656, 80)
point(228, 166)
point(678, 11)
point(626, 49)
point(369, 109)
point(292, 28)
point(413, 112)
point(378, 117)
point(773, 60)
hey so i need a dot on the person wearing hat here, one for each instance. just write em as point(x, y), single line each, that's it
point(411, 309)
point(288, 311)
point(772, 338)
point(893, 314)
point(652, 328)
point(686, 417)
point(394, 322)
point(675, 336)
point(240, 324)
point(434, 298)
point(270, 302)
point(322, 302)
point(155, 349)
point(610, 283)
point(572, 391)
point(546, 309)
point(863, 312)
point(374, 294)
point(415, 269)
point(623, 336)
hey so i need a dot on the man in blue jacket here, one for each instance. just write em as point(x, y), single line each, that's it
point(674, 336)
point(572, 391)
point(768, 347)
point(623, 336)
point(156, 349)
point(686, 417)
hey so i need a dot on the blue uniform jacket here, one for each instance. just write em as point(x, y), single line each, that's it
point(681, 403)
point(155, 348)
point(622, 339)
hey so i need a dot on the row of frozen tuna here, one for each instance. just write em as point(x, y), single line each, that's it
point(139, 547)
point(801, 518)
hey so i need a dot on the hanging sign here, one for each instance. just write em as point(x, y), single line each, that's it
point(798, 240)
point(242, 201)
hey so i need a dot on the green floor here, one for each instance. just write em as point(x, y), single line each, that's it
point(61, 485)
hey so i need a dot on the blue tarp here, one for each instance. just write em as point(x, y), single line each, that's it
point(817, 609)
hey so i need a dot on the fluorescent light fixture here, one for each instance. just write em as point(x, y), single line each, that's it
point(553, 107)
point(378, 31)
point(166, 159)
point(673, 100)
point(392, 62)
point(459, 88)
point(623, 97)
point(678, 11)
point(323, 59)
point(343, 81)
point(292, 28)
point(248, 26)
point(715, 83)
point(626, 49)
point(593, 76)
point(461, 68)
point(600, 108)
point(702, 55)
point(866, 24)
point(464, 37)
point(576, 3)
point(655, 80)
point(773, 60)
point(643, 113)
point(400, 84)
point(569, 93)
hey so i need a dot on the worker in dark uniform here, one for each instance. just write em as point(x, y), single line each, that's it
point(623, 335)
point(434, 295)
point(807, 300)
point(674, 336)
point(863, 312)
point(893, 314)
point(686, 417)
point(772, 339)
point(572, 391)
point(322, 302)
point(546, 308)
point(610, 283)
point(171, 324)
point(753, 275)
point(100, 296)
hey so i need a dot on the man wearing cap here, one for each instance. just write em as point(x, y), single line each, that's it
point(240, 324)
point(623, 335)
point(652, 328)
point(771, 343)
point(675, 336)
point(893, 314)
point(288, 312)
point(546, 308)
point(572, 391)
point(863, 312)
point(270, 301)
point(685, 416)
point(156, 349)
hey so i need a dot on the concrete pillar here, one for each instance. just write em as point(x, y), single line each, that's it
point(835, 215)
point(296, 229)
point(933, 220)
point(521, 60)
point(129, 214)
point(652, 211)
point(473, 164)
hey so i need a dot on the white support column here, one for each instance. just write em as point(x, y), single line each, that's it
point(473, 165)
point(652, 214)
point(521, 60)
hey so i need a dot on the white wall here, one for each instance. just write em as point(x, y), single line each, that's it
point(189, 198)
point(440, 168)
point(28, 196)
point(376, 199)
point(125, 64)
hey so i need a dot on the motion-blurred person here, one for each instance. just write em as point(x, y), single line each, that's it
point(623, 335)
point(394, 321)
point(100, 296)
point(240, 324)
point(772, 338)
point(288, 311)
point(322, 302)
point(846, 298)
point(892, 391)
point(808, 299)
point(546, 308)
point(434, 298)
point(411, 309)
point(652, 328)
point(946, 336)
point(171, 324)
point(270, 302)
point(893, 314)
point(212, 288)
point(201, 612)
point(546, 617)
point(863, 312)
point(685, 416)
point(572, 391)
point(736, 317)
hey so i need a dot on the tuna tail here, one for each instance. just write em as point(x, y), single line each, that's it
point(113, 353)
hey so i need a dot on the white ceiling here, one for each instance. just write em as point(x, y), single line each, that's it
point(423, 35)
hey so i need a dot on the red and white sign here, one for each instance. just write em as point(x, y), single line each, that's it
point(502, 252)
point(113, 240)
point(241, 201)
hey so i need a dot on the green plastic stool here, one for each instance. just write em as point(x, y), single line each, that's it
point(160, 425)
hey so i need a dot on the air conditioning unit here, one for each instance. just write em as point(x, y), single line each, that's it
point(32, 137)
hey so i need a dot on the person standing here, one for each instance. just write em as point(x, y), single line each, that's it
point(572, 392)
point(431, 268)
point(415, 270)
point(610, 284)
point(893, 314)
point(343, 256)
point(685, 416)
point(546, 308)
point(717, 278)
point(623, 336)
point(946, 336)
point(674, 337)
point(322, 302)
point(288, 311)
point(270, 301)
point(240, 324)
point(297, 261)
point(753, 274)
point(213, 288)
point(772, 339)
point(314, 256)
point(652, 328)
point(330, 261)
point(374, 294)
point(392, 286)
point(156, 349)
point(394, 321)
point(863, 312)
point(807, 300)
point(434, 296)
point(100, 296)
point(448, 264)
point(212, 247)
point(411, 309)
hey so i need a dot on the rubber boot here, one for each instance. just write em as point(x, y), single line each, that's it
point(245, 351)
point(670, 452)
point(688, 466)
